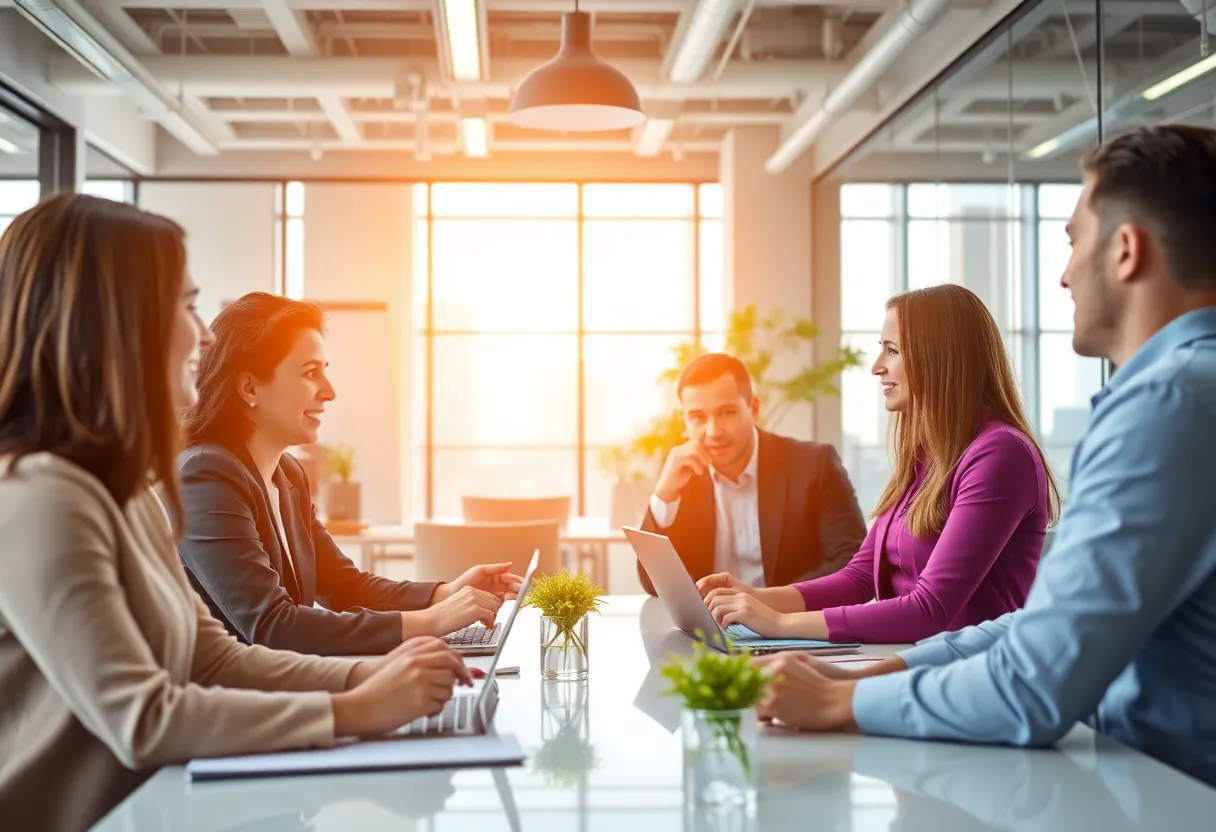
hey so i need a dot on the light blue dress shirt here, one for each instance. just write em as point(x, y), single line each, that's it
point(1119, 629)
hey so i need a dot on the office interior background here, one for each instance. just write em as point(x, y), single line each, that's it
point(501, 302)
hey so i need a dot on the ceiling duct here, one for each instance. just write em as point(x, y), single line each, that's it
point(917, 17)
point(87, 41)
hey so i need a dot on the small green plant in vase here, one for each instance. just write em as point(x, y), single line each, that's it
point(564, 600)
point(720, 692)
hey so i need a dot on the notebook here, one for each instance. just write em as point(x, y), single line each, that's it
point(371, 755)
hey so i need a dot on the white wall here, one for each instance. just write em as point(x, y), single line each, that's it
point(230, 235)
point(767, 227)
point(357, 256)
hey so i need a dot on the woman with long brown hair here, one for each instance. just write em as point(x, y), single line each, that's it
point(253, 546)
point(959, 530)
point(110, 664)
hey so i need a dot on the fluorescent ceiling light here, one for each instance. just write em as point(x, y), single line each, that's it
point(460, 17)
point(475, 138)
point(8, 147)
point(1178, 79)
point(1041, 150)
point(653, 136)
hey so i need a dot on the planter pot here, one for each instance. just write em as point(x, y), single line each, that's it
point(563, 650)
point(719, 757)
point(629, 499)
point(342, 501)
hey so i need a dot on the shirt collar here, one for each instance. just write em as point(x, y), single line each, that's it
point(1178, 333)
point(752, 468)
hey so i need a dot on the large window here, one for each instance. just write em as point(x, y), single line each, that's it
point(1004, 242)
point(544, 314)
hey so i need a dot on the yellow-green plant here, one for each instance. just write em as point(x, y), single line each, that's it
point(720, 685)
point(341, 462)
point(564, 598)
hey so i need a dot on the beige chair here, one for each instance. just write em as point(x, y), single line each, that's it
point(443, 551)
point(515, 509)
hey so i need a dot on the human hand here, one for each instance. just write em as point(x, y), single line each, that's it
point(464, 607)
point(682, 464)
point(415, 680)
point(729, 607)
point(722, 581)
point(802, 696)
point(488, 577)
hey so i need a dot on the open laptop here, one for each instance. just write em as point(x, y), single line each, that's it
point(471, 711)
point(477, 639)
point(684, 604)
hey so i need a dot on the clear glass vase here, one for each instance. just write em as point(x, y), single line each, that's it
point(720, 757)
point(563, 650)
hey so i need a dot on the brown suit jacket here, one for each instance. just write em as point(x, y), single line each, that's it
point(810, 523)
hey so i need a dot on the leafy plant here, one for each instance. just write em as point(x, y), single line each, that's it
point(714, 681)
point(340, 461)
point(760, 342)
point(564, 598)
point(720, 685)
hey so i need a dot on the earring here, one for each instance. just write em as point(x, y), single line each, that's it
point(253, 404)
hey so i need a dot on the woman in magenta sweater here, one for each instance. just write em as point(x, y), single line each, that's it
point(960, 528)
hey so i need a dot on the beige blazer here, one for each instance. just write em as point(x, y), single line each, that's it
point(110, 664)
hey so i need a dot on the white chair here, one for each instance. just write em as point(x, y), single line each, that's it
point(443, 551)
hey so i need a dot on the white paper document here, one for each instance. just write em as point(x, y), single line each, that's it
point(375, 755)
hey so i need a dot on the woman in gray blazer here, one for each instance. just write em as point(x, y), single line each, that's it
point(253, 545)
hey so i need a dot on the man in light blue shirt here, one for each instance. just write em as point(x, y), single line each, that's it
point(1119, 629)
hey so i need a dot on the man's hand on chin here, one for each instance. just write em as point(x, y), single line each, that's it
point(804, 698)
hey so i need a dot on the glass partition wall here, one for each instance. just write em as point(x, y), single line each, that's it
point(973, 181)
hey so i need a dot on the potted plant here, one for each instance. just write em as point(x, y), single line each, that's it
point(719, 726)
point(342, 496)
point(564, 600)
point(630, 488)
point(762, 343)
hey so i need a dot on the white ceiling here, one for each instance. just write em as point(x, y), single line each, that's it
point(321, 76)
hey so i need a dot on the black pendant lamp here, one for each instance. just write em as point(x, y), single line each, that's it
point(576, 91)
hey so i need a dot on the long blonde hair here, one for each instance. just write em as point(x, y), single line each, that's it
point(959, 375)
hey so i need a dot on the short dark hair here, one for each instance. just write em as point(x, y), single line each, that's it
point(711, 366)
point(252, 335)
point(1163, 177)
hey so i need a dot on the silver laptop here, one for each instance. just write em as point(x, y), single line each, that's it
point(476, 639)
point(471, 711)
point(683, 603)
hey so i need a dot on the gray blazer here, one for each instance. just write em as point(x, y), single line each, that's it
point(232, 552)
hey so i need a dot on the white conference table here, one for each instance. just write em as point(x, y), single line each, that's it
point(617, 765)
point(593, 534)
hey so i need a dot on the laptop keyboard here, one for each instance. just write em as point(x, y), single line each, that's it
point(457, 716)
point(473, 636)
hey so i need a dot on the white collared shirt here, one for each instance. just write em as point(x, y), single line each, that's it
point(737, 510)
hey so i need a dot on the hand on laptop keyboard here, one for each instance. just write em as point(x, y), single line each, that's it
point(475, 635)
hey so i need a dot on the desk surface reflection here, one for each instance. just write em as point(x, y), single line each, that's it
point(606, 755)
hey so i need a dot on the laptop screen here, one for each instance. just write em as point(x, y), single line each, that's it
point(524, 586)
